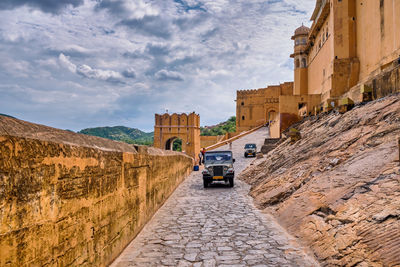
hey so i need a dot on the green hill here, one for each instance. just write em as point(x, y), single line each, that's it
point(222, 128)
point(5, 115)
point(121, 133)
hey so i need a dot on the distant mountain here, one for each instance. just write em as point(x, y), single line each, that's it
point(222, 128)
point(5, 115)
point(121, 133)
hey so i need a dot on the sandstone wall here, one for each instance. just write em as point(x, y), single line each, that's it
point(206, 141)
point(64, 204)
point(384, 84)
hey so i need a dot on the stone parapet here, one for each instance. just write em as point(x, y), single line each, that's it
point(72, 203)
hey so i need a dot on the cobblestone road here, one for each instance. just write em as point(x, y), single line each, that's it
point(217, 226)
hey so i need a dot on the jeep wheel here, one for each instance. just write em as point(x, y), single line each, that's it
point(231, 183)
point(205, 183)
point(245, 155)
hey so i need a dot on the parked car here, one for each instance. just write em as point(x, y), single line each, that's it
point(250, 150)
point(218, 166)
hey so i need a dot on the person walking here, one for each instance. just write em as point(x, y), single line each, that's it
point(230, 145)
point(200, 157)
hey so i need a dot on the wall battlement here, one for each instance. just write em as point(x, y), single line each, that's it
point(175, 119)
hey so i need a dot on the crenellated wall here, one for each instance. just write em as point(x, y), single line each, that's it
point(67, 204)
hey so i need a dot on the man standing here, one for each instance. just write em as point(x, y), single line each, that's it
point(203, 151)
point(200, 157)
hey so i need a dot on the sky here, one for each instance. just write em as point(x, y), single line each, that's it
point(75, 64)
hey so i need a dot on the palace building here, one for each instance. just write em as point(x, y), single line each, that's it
point(352, 47)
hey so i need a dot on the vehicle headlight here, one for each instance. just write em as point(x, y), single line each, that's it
point(225, 168)
point(210, 169)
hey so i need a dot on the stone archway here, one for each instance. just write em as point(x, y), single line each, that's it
point(271, 115)
point(168, 128)
point(169, 144)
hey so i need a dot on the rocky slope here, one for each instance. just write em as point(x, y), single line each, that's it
point(338, 188)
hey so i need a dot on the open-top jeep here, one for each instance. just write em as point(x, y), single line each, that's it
point(218, 166)
point(250, 150)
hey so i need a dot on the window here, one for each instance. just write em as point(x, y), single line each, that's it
point(297, 63)
point(304, 63)
point(242, 103)
point(304, 41)
point(242, 118)
point(297, 42)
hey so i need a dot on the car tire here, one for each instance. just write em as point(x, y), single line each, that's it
point(205, 183)
point(231, 182)
point(245, 155)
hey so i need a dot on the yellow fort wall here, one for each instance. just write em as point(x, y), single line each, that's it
point(71, 205)
point(259, 106)
point(378, 35)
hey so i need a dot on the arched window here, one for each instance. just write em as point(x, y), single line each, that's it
point(304, 41)
point(242, 118)
point(304, 63)
point(297, 64)
point(297, 42)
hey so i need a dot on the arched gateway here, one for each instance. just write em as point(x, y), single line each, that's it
point(168, 128)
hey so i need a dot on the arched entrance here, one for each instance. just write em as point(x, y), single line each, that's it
point(175, 144)
point(179, 130)
point(271, 115)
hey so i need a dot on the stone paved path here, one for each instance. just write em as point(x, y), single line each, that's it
point(217, 226)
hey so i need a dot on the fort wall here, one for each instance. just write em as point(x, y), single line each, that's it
point(378, 38)
point(206, 141)
point(69, 199)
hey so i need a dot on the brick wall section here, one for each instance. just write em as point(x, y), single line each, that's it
point(69, 205)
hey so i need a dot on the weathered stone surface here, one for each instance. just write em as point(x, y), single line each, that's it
point(269, 144)
point(338, 188)
point(217, 226)
point(64, 204)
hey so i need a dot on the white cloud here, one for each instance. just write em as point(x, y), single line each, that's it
point(88, 72)
point(165, 75)
point(66, 63)
point(104, 75)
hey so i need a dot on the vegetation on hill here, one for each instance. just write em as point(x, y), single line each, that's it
point(222, 128)
point(5, 115)
point(136, 136)
point(121, 133)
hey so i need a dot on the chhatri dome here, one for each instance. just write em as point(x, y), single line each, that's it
point(301, 30)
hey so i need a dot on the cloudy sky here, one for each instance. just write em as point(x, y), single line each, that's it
point(74, 64)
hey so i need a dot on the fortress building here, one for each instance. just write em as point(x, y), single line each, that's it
point(352, 47)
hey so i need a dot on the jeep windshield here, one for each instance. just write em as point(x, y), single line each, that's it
point(250, 146)
point(218, 158)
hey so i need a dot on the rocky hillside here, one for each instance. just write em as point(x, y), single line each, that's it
point(338, 188)
point(121, 133)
